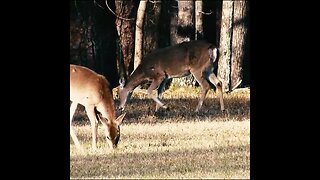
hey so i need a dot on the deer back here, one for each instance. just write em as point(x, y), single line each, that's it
point(89, 88)
point(177, 60)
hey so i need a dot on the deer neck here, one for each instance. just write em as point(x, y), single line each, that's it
point(136, 78)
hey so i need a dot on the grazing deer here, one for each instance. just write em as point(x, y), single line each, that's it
point(92, 91)
point(195, 57)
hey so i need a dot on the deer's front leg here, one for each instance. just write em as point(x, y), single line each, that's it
point(215, 81)
point(155, 83)
point(94, 125)
point(72, 133)
point(161, 89)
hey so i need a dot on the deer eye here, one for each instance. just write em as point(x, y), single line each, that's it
point(108, 138)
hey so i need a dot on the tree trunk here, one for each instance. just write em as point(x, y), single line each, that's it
point(225, 44)
point(139, 33)
point(125, 28)
point(198, 20)
point(173, 8)
point(185, 32)
point(238, 42)
point(151, 27)
point(76, 42)
point(185, 21)
point(81, 36)
point(218, 18)
point(90, 36)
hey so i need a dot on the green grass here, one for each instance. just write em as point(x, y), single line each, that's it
point(172, 144)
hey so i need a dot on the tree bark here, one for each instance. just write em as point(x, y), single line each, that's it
point(238, 42)
point(90, 36)
point(125, 28)
point(218, 18)
point(185, 21)
point(151, 27)
point(225, 44)
point(81, 36)
point(139, 33)
point(173, 8)
point(198, 20)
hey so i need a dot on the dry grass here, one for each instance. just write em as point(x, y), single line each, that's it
point(172, 144)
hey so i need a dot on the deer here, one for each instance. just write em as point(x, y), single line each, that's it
point(93, 91)
point(196, 57)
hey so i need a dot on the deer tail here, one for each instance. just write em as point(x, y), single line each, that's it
point(213, 53)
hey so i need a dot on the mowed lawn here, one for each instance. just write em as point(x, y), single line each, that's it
point(175, 143)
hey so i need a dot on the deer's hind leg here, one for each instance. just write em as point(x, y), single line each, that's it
point(199, 76)
point(215, 81)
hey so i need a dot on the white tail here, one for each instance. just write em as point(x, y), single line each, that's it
point(92, 91)
point(195, 57)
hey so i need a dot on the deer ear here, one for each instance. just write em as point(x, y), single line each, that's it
point(120, 119)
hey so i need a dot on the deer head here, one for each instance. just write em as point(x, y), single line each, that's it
point(113, 132)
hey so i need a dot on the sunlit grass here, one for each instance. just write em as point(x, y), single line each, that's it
point(172, 144)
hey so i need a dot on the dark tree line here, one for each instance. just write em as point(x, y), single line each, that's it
point(102, 34)
point(93, 37)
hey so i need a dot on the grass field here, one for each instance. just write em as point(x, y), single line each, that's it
point(177, 143)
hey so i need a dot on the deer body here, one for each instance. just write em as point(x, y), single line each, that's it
point(195, 57)
point(93, 92)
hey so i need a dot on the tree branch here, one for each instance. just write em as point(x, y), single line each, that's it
point(154, 2)
point(131, 19)
point(206, 13)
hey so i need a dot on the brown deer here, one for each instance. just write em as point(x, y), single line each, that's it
point(93, 92)
point(195, 57)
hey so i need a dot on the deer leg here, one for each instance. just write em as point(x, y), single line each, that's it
point(104, 122)
point(105, 119)
point(72, 133)
point(155, 83)
point(94, 125)
point(161, 89)
point(204, 85)
point(215, 81)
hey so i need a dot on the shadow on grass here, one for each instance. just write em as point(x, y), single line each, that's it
point(143, 110)
point(192, 163)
